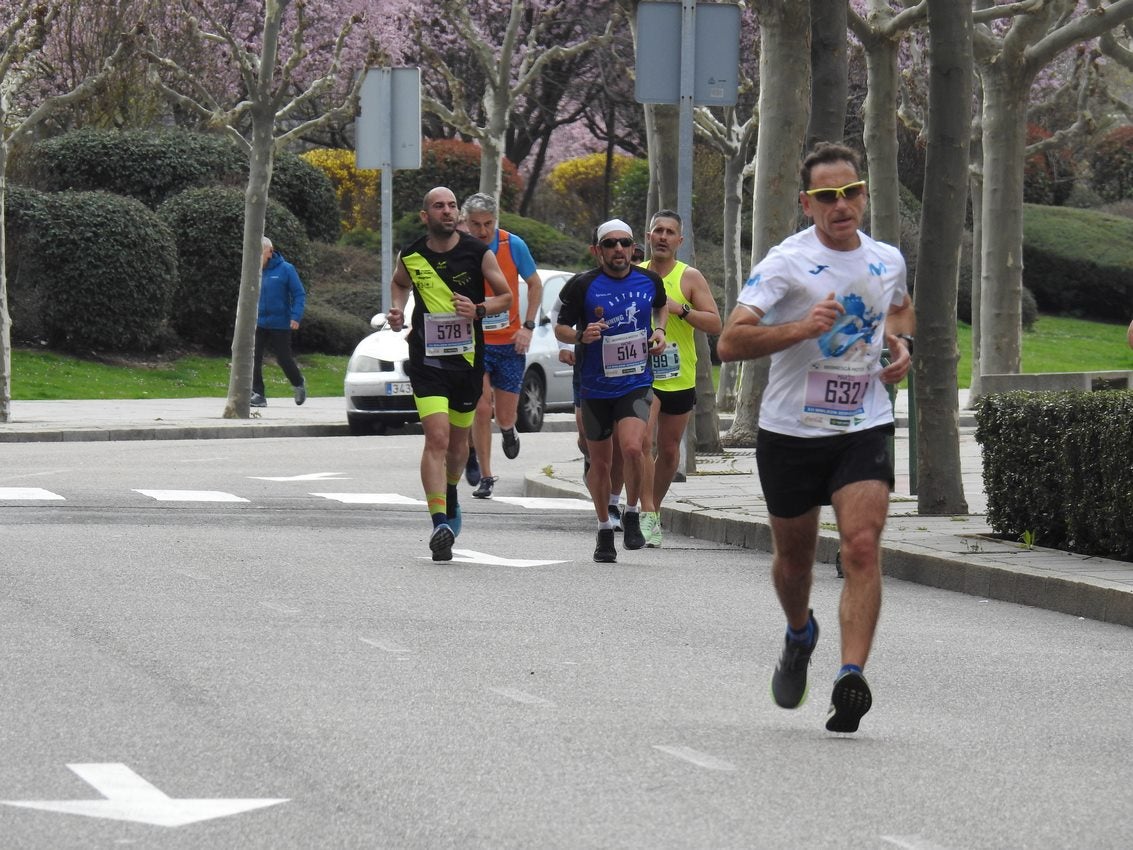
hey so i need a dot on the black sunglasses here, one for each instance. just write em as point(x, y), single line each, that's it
point(625, 242)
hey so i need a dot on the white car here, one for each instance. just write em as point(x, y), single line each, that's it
point(378, 393)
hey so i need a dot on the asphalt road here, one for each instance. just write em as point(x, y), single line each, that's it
point(299, 650)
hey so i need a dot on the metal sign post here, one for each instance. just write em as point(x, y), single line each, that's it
point(388, 137)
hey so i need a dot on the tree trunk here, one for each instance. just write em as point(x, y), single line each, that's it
point(784, 71)
point(260, 158)
point(1004, 139)
point(664, 149)
point(830, 83)
point(880, 135)
point(707, 420)
point(492, 145)
point(734, 273)
point(940, 488)
point(976, 186)
point(5, 316)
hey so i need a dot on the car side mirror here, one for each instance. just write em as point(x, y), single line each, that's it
point(378, 321)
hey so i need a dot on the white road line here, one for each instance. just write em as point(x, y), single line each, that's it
point(385, 645)
point(25, 494)
point(190, 496)
point(695, 757)
point(520, 696)
point(283, 609)
point(541, 503)
point(911, 842)
point(370, 498)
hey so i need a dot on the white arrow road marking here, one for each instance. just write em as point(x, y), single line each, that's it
point(12, 494)
point(310, 476)
point(470, 556)
point(370, 498)
point(190, 496)
point(131, 798)
point(696, 757)
point(539, 503)
point(520, 696)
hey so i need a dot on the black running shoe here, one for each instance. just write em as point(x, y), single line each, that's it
point(441, 542)
point(788, 683)
point(605, 552)
point(484, 491)
point(472, 469)
point(511, 444)
point(849, 703)
point(631, 522)
point(257, 400)
point(616, 517)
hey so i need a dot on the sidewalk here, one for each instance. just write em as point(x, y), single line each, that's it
point(721, 501)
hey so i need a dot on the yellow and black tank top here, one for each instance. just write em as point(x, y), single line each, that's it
point(436, 276)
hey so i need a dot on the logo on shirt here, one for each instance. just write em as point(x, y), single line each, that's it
point(819, 269)
point(853, 330)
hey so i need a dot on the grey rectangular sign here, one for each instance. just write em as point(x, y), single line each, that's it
point(387, 133)
point(658, 71)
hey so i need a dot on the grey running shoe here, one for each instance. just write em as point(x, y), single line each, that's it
point(631, 522)
point(472, 469)
point(441, 542)
point(788, 684)
point(511, 444)
point(300, 393)
point(849, 702)
point(605, 552)
point(258, 400)
point(484, 491)
point(616, 517)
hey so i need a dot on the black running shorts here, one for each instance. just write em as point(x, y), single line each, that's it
point(800, 473)
point(600, 414)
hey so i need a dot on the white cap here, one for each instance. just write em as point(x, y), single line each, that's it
point(612, 225)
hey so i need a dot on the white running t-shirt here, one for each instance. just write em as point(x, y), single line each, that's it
point(826, 386)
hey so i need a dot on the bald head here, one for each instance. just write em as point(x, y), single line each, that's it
point(440, 212)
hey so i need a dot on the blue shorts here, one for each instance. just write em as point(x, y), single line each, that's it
point(504, 367)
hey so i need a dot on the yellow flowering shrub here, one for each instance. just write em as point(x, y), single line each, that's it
point(578, 188)
point(358, 192)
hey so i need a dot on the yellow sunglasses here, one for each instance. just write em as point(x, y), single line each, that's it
point(831, 196)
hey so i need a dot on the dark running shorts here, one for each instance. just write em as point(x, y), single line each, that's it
point(504, 367)
point(676, 402)
point(462, 387)
point(800, 473)
point(600, 414)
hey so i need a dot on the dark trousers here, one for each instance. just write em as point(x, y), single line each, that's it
point(279, 342)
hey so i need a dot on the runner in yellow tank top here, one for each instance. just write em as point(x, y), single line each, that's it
point(691, 308)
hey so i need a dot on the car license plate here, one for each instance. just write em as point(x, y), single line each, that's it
point(399, 388)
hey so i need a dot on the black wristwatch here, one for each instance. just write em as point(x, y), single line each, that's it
point(529, 324)
point(481, 311)
point(909, 341)
point(685, 310)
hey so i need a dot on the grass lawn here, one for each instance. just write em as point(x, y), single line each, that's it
point(1057, 344)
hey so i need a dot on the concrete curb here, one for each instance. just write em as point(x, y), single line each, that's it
point(977, 574)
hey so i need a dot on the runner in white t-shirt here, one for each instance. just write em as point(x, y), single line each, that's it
point(823, 304)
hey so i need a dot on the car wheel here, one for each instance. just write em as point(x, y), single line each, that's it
point(532, 401)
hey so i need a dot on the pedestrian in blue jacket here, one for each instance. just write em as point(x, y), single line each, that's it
point(281, 308)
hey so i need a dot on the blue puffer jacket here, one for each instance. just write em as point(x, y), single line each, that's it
point(282, 298)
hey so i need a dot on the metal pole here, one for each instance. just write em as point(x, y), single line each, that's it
point(687, 251)
point(385, 157)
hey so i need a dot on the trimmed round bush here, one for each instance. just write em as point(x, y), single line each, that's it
point(105, 268)
point(309, 194)
point(1112, 165)
point(208, 227)
point(328, 330)
point(25, 213)
point(148, 165)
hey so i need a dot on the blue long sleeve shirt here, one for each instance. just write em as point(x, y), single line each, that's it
point(282, 297)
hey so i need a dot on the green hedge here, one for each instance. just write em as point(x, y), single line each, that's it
point(328, 330)
point(104, 268)
point(1060, 466)
point(25, 212)
point(1078, 262)
point(154, 165)
point(208, 225)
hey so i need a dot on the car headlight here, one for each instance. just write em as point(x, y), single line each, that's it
point(362, 363)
